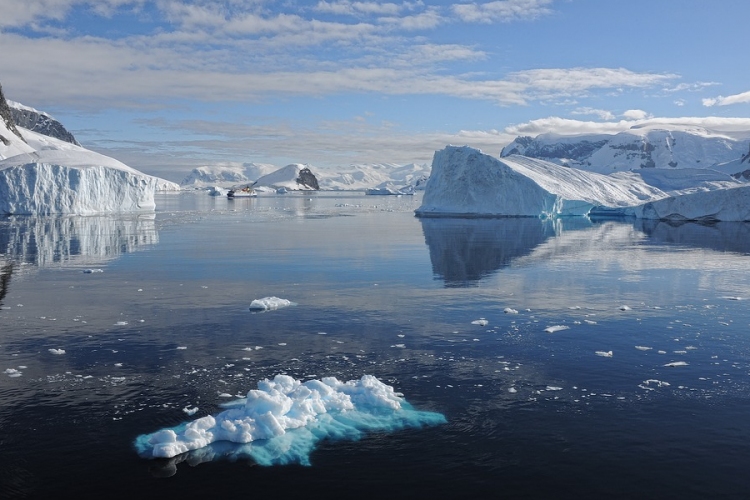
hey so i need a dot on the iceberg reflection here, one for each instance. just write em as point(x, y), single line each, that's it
point(721, 236)
point(74, 240)
point(463, 251)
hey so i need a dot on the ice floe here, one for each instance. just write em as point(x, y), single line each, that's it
point(269, 303)
point(283, 419)
point(676, 363)
point(556, 328)
point(604, 354)
point(480, 322)
point(57, 351)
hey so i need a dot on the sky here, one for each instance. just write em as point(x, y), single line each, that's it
point(166, 86)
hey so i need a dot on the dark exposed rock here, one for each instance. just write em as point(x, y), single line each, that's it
point(41, 123)
point(306, 178)
point(6, 114)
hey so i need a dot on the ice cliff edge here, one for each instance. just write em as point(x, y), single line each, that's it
point(468, 183)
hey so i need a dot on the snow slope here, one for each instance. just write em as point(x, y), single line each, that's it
point(467, 182)
point(294, 177)
point(649, 146)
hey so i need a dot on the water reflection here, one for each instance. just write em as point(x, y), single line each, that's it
point(74, 240)
point(465, 251)
point(5, 272)
point(721, 236)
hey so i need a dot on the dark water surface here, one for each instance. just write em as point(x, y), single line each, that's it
point(614, 362)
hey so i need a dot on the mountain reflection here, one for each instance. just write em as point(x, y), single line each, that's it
point(463, 251)
point(74, 240)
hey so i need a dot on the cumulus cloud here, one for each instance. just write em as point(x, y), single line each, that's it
point(742, 98)
point(635, 114)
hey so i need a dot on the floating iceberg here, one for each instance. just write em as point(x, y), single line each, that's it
point(269, 303)
point(466, 182)
point(42, 174)
point(282, 420)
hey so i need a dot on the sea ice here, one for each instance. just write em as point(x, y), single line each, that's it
point(605, 354)
point(509, 310)
point(283, 419)
point(676, 363)
point(480, 322)
point(555, 328)
point(57, 351)
point(269, 303)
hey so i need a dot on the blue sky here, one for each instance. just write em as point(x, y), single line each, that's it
point(166, 86)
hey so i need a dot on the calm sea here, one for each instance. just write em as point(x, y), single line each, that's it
point(572, 359)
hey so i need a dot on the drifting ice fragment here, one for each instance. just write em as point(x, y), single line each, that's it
point(480, 322)
point(509, 310)
point(624, 308)
point(676, 363)
point(269, 303)
point(605, 354)
point(555, 328)
point(57, 351)
point(92, 271)
point(283, 420)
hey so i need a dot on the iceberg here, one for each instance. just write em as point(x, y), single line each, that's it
point(466, 182)
point(281, 421)
point(43, 175)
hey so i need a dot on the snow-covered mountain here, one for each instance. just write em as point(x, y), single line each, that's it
point(467, 182)
point(353, 178)
point(226, 175)
point(40, 174)
point(649, 146)
point(293, 177)
point(375, 176)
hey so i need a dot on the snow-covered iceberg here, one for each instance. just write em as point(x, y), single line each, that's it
point(467, 182)
point(283, 419)
point(41, 174)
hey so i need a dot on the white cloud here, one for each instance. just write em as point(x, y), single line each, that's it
point(635, 114)
point(742, 98)
point(603, 114)
point(501, 10)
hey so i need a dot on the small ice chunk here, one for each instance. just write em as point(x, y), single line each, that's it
point(480, 322)
point(181, 347)
point(676, 363)
point(269, 303)
point(12, 372)
point(57, 351)
point(190, 411)
point(121, 323)
point(553, 388)
point(556, 328)
point(92, 271)
point(512, 390)
point(509, 310)
point(643, 348)
point(605, 354)
point(624, 308)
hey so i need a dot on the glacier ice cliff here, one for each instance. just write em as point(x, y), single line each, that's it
point(73, 182)
point(466, 182)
